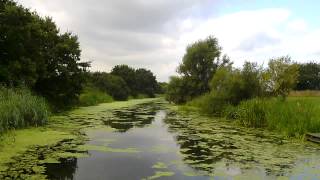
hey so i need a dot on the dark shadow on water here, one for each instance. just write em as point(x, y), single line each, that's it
point(62, 171)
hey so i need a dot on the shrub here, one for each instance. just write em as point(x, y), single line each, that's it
point(19, 108)
point(178, 90)
point(210, 104)
point(93, 96)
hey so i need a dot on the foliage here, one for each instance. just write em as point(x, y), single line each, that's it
point(111, 84)
point(178, 90)
point(309, 76)
point(139, 81)
point(236, 85)
point(128, 75)
point(162, 88)
point(92, 96)
point(251, 113)
point(282, 76)
point(293, 117)
point(200, 63)
point(210, 104)
point(146, 82)
point(34, 54)
point(19, 108)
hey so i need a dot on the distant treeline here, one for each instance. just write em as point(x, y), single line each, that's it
point(124, 82)
point(35, 55)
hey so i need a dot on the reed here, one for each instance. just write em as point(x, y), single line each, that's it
point(19, 108)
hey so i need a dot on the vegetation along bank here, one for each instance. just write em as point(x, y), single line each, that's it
point(284, 96)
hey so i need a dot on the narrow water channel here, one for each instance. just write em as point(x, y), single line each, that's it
point(150, 141)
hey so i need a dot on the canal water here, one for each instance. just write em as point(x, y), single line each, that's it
point(153, 141)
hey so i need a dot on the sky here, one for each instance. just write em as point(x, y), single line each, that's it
point(154, 34)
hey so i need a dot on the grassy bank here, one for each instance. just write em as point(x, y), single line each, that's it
point(293, 117)
point(19, 109)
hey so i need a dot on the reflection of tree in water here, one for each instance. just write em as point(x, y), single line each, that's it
point(62, 171)
point(127, 118)
point(200, 153)
point(206, 144)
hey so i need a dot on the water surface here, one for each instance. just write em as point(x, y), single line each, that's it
point(150, 141)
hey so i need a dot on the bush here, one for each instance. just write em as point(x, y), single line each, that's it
point(19, 108)
point(178, 90)
point(210, 104)
point(93, 96)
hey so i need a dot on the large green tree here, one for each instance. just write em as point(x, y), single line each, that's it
point(128, 75)
point(282, 75)
point(200, 62)
point(309, 76)
point(146, 82)
point(33, 53)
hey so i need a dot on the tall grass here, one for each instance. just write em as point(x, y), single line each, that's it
point(293, 117)
point(92, 96)
point(210, 104)
point(19, 109)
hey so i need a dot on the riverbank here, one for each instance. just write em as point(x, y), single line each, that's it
point(20, 149)
point(293, 117)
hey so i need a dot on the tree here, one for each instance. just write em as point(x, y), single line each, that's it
point(146, 82)
point(34, 54)
point(62, 82)
point(200, 63)
point(20, 38)
point(111, 84)
point(252, 77)
point(309, 76)
point(128, 75)
point(282, 76)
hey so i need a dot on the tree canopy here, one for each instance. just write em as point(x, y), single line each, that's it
point(200, 62)
point(309, 76)
point(139, 81)
point(36, 55)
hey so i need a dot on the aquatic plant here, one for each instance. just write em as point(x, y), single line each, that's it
point(19, 108)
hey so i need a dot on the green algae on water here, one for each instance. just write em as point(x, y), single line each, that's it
point(159, 174)
point(160, 165)
point(107, 149)
point(20, 150)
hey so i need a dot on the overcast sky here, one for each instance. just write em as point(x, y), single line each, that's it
point(154, 33)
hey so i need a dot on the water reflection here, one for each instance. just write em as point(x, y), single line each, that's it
point(220, 147)
point(126, 118)
point(185, 146)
